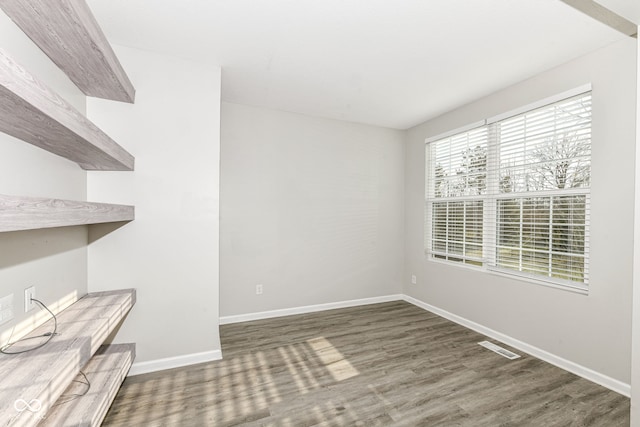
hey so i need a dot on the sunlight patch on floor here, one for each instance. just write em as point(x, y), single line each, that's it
point(269, 383)
point(292, 366)
point(333, 360)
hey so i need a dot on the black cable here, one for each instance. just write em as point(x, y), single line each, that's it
point(49, 335)
point(86, 382)
point(66, 398)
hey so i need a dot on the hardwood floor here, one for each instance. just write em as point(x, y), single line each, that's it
point(390, 364)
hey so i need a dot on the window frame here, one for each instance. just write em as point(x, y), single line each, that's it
point(492, 196)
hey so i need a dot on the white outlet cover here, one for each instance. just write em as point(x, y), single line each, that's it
point(414, 279)
point(29, 293)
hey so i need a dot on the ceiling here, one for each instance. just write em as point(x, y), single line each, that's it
point(391, 63)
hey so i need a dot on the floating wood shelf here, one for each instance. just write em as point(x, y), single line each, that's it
point(105, 371)
point(68, 33)
point(32, 213)
point(32, 112)
point(39, 377)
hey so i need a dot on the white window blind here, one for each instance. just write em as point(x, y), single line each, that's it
point(458, 185)
point(513, 195)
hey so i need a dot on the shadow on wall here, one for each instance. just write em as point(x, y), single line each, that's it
point(21, 247)
point(98, 231)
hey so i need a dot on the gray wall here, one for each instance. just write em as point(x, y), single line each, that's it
point(595, 330)
point(311, 208)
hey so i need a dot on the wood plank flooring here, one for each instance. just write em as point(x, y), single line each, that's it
point(390, 364)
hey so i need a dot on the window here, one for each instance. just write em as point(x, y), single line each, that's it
point(511, 194)
point(459, 186)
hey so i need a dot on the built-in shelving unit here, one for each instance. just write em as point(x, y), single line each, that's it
point(68, 33)
point(34, 381)
point(40, 377)
point(32, 112)
point(31, 213)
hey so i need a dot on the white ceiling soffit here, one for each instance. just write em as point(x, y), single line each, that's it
point(391, 63)
point(628, 9)
point(606, 16)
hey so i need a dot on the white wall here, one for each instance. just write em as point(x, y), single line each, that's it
point(54, 260)
point(593, 331)
point(635, 360)
point(170, 252)
point(311, 208)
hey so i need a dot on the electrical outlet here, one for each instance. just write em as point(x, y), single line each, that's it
point(28, 294)
point(414, 279)
point(259, 289)
point(6, 308)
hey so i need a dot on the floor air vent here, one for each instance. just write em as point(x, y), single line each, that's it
point(497, 349)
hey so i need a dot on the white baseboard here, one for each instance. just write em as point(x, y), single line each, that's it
point(589, 374)
point(174, 362)
point(307, 309)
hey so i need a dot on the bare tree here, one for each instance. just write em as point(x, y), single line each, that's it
point(469, 179)
point(440, 181)
point(562, 163)
point(474, 170)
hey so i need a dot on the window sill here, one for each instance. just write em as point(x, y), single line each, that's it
point(513, 276)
